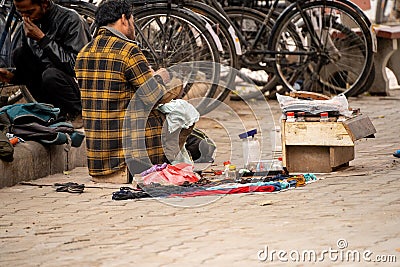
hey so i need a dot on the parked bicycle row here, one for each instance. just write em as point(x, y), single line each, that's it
point(321, 46)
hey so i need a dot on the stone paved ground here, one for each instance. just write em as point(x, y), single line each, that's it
point(356, 209)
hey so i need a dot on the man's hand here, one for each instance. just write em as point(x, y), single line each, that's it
point(32, 30)
point(5, 75)
point(164, 74)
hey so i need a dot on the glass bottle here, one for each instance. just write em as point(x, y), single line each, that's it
point(232, 172)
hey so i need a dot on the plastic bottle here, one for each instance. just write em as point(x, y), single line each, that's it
point(324, 117)
point(251, 149)
point(290, 116)
point(277, 166)
point(276, 138)
point(226, 167)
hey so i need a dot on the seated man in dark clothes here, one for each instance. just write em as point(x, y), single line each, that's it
point(51, 37)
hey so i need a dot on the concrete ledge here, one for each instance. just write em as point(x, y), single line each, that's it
point(388, 55)
point(33, 160)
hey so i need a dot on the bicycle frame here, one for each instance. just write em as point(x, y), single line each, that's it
point(8, 27)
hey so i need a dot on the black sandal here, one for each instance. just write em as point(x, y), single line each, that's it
point(70, 187)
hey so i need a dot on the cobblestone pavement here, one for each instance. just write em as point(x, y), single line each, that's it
point(350, 212)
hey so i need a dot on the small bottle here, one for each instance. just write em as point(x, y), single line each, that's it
point(226, 168)
point(277, 166)
point(301, 116)
point(232, 172)
point(324, 117)
point(290, 116)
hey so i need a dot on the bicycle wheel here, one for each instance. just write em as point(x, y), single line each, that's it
point(230, 44)
point(335, 55)
point(249, 21)
point(173, 36)
point(5, 37)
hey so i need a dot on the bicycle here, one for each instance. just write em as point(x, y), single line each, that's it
point(310, 45)
point(345, 78)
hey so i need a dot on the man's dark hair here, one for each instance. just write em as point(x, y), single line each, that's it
point(111, 10)
point(35, 2)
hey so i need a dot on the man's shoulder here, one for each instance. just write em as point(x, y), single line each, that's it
point(115, 41)
point(59, 10)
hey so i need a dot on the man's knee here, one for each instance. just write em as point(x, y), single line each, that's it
point(21, 56)
point(49, 75)
point(18, 54)
point(53, 79)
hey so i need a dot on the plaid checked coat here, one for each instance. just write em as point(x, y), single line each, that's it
point(110, 70)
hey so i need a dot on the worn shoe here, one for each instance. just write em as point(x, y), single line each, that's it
point(70, 187)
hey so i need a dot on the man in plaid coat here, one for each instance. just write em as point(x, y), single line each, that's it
point(111, 71)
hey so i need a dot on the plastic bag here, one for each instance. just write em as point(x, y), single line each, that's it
point(337, 105)
point(171, 174)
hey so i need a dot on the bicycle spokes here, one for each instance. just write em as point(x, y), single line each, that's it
point(323, 48)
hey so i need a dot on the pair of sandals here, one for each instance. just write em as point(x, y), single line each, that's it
point(70, 187)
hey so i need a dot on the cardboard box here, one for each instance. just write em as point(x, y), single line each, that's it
point(322, 146)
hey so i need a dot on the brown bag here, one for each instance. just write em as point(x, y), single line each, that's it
point(174, 90)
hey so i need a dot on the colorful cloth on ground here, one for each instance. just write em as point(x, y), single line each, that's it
point(265, 184)
point(110, 70)
point(243, 189)
point(300, 180)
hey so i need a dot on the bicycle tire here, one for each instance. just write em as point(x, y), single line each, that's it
point(5, 37)
point(224, 30)
point(315, 69)
point(230, 44)
point(368, 83)
point(250, 58)
point(159, 30)
point(248, 21)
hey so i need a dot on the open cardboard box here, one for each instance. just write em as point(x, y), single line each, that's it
point(322, 146)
